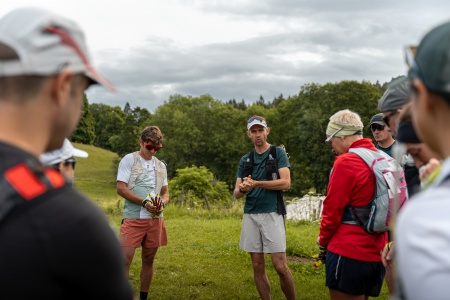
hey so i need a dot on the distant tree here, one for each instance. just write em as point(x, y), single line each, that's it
point(277, 100)
point(201, 131)
point(261, 101)
point(109, 123)
point(127, 109)
point(239, 105)
point(305, 118)
point(85, 132)
point(127, 139)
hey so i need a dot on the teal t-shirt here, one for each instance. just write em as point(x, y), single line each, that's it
point(260, 200)
point(387, 150)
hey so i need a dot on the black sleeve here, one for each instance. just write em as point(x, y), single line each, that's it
point(85, 251)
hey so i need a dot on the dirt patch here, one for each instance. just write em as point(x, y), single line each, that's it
point(302, 260)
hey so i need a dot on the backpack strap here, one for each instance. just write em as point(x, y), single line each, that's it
point(248, 165)
point(354, 215)
point(24, 182)
point(281, 206)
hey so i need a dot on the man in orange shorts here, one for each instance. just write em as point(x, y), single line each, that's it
point(140, 175)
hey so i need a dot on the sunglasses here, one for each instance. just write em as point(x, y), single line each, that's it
point(387, 118)
point(70, 161)
point(378, 127)
point(150, 146)
point(262, 119)
point(328, 140)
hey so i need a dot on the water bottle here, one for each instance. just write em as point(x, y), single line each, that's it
point(273, 167)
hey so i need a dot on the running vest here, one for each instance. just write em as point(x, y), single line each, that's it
point(140, 184)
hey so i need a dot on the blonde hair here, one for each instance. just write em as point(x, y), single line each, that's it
point(346, 118)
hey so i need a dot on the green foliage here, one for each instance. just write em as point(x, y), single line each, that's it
point(196, 187)
point(85, 132)
point(303, 120)
point(127, 140)
point(109, 123)
point(203, 131)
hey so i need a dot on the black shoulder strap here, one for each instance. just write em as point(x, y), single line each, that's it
point(248, 165)
point(273, 151)
point(281, 206)
point(24, 182)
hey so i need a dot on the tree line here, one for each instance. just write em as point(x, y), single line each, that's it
point(203, 131)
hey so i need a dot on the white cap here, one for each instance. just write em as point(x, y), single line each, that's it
point(45, 43)
point(256, 120)
point(64, 153)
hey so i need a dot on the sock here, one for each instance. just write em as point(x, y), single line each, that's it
point(143, 295)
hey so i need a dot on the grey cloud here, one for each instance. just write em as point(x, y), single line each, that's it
point(355, 40)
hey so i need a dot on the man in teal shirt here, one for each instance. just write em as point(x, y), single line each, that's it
point(263, 229)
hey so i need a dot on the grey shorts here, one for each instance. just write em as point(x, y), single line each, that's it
point(263, 233)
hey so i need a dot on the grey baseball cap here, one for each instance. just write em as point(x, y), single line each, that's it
point(40, 42)
point(431, 63)
point(378, 119)
point(396, 95)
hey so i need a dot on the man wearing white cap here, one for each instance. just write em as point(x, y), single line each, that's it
point(63, 159)
point(262, 174)
point(55, 244)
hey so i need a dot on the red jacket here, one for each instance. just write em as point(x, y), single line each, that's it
point(351, 183)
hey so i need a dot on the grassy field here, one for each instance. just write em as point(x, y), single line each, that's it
point(203, 260)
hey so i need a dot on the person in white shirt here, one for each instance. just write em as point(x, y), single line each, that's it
point(423, 226)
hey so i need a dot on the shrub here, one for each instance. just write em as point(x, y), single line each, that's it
point(196, 187)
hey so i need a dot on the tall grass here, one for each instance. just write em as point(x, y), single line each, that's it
point(202, 259)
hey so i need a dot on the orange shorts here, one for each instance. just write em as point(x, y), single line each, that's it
point(148, 233)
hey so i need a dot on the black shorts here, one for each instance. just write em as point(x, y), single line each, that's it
point(352, 276)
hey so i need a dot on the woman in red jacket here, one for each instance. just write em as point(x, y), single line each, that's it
point(353, 265)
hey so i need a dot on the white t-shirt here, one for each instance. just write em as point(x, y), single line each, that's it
point(422, 236)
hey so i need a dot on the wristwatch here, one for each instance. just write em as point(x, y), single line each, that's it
point(241, 191)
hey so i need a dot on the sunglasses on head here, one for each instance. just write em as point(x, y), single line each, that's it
point(256, 118)
point(388, 117)
point(70, 161)
point(378, 127)
point(149, 146)
point(328, 140)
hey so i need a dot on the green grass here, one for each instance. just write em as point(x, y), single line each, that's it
point(203, 259)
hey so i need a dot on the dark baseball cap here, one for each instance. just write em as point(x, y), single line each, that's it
point(378, 119)
point(431, 63)
point(396, 95)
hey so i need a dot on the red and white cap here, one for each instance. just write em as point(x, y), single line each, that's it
point(44, 43)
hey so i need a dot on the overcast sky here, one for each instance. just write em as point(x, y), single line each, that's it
point(241, 49)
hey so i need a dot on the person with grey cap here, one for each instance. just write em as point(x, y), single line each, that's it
point(381, 134)
point(391, 105)
point(63, 159)
point(423, 227)
point(392, 101)
point(56, 244)
point(263, 229)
